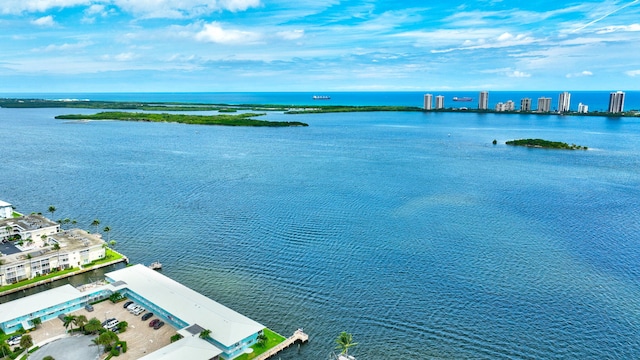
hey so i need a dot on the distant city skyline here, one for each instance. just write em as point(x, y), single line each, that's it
point(255, 45)
point(615, 104)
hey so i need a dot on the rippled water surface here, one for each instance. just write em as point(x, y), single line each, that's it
point(411, 231)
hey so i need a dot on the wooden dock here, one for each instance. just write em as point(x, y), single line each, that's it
point(298, 337)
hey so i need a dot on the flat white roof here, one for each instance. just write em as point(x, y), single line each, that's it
point(191, 348)
point(42, 300)
point(227, 326)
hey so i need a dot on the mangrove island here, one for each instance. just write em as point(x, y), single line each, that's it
point(245, 119)
point(546, 144)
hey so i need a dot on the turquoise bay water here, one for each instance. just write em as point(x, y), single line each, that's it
point(409, 230)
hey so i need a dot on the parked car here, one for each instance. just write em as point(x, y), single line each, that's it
point(131, 306)
point(111, 324)
point(138, 311)
point(154, 322)
point(104, 323)
point(14, 340)
point(88, 307)
point(147, 316)
point(126, 305)
point(158, 325)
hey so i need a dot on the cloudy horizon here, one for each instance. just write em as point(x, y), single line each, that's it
point(259, 45)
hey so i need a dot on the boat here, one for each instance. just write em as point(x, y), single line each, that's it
point(156, 265)
point(455, 98)
point(321, 97)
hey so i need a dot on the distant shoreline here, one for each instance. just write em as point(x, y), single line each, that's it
point(287, 109)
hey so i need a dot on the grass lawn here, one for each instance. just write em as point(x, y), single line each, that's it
point(36, 279)
point(273, 339)
point(110, 255)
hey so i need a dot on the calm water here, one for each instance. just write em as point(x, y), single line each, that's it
point(409, 230)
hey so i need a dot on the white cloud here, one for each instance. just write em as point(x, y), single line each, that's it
point(21, 6)
point(633, 73)
point(213, 32)
point(518, 74)
point(63, 47)
point(143, 8)
point(610, 29)
point(503, 40)
point(120, 57)
point(580, 74)
point(505, 37)
point(182, 9)
point(95, 9)
point(291, 35)
point(44, 21)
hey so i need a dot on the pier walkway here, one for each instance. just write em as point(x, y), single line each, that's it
point(298, 336)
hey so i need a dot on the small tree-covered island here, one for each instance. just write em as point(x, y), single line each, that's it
point(546, 144)
point(245, 119)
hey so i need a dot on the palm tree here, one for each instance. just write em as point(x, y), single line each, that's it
point(205, 333)
point(80, 321)
point(52, 210)
point(345, 341)
point(92, 326)
point(5, 349)
point(95, 223)
point(9, 231)
point(56, 247)
point(68, 320)
point(122, 326)
point(262, 339)
point(112, 243)
point(26, 341)
point(48, 357)
point(36, 321)
point(106, 339)
point(107, 229)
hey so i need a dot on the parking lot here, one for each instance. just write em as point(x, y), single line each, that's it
point(141, 339)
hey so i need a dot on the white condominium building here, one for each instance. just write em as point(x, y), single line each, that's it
point(544, 104)
point(616, 102)
point(439, 102)
point(582, 108)
point(564, 102)
point(525, 104)
point(428, 101)
point(483, 100)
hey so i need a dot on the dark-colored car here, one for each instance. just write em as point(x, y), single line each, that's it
point(154, 322)
point(147, 316)
point(158, 325)
point(127, 304)
point(88, 307)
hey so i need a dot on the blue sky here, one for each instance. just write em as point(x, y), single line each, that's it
point(303, 45)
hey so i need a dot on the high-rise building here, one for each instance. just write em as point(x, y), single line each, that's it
point(428, 102)
point(564, 102)
point(582, 108)
point(525, 104)
point(616, 102)
point(509, 106)
point(439, 102)
point(483, 100)
point(500, 106)
point(544, 104)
